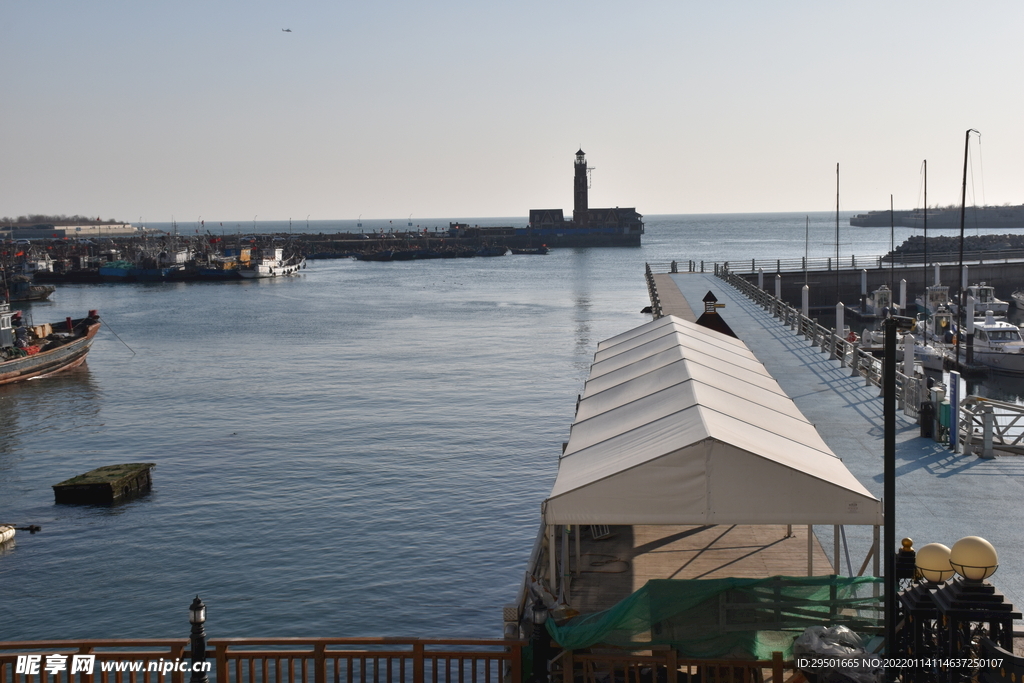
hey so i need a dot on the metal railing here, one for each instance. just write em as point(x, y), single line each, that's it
point(280, 660)
point(652, 292)
point(986, 425)
point(852, 262)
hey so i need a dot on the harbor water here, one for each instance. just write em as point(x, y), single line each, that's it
point(358, 450)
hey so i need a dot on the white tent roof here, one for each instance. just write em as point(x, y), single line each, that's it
point(679, 424)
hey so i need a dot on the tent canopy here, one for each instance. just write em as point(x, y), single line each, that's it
point(679, 424)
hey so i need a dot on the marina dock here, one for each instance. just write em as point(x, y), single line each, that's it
point(941, 496)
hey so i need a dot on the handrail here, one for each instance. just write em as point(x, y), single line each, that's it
point(283, 660)
point(664, 664)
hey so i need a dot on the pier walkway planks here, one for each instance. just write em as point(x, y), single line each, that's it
point(940, 496)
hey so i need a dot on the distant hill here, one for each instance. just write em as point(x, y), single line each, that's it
point(46, 219)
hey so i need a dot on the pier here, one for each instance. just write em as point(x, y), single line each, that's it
point(941, 495)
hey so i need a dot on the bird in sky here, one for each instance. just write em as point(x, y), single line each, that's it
point(287, 30)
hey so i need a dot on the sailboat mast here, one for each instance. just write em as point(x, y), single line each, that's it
point(960, 271)
point(837, 232)
point(924, 282)
point(892, 250)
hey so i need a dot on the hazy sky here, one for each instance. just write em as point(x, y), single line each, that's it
point(451, 109)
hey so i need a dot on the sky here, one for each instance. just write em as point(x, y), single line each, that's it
point(447, 109)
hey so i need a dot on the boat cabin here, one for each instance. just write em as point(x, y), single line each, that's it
point(934, 297)
point(6, 331)
point(880, 302)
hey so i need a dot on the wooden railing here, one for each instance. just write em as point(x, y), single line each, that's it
point(281, 660)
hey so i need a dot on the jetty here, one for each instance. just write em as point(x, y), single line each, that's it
point(941, 495)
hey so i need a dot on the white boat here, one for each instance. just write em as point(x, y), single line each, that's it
point(998, 345)
point(937, 328)
point(984, 300)
point(1018, 299)
point(932, 355)
point(934, 297)
point(271, 263)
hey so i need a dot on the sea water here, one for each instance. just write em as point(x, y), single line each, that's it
point(358, 450)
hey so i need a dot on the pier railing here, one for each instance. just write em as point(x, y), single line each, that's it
point(852, 262)
point(273, 660)
point(987, 425)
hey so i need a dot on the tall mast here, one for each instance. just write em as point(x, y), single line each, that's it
point(892, 250)
point(960, 271)
point(924, 282)
point(837, 232)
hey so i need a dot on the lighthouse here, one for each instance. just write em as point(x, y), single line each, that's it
point(580, 210)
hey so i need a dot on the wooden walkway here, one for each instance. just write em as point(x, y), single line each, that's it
point(613, 568)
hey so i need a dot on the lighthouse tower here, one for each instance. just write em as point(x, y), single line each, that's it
point(580, 210)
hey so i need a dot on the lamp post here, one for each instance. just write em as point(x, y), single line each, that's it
point(197, 617)
point(540, 642)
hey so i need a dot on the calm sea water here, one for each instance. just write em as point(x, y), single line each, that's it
point(358, 450)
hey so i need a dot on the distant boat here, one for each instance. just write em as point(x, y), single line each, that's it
point(271, 264)
point(42, 350)
point(985, 300)
point(20, 289)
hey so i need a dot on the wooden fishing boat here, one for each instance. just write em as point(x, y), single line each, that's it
point(29, 352)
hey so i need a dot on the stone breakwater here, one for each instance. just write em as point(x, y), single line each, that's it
point(946, 245)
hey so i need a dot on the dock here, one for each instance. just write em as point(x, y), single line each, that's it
point(106, 484)
point(941, 496)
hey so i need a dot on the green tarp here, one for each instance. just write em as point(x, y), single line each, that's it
point(714, 618)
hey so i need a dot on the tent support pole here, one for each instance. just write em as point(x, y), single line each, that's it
point(579, 566)
point(553, 574)
point(875, 561)
point(835, 549)
point(810, 550)
point(564, 579)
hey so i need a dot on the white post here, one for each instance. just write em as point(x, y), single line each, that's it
point(778, 287)
point(988, 428)
point(969, 325)
point(908, 355)
point(805, 294)
point(938, 274)
point(903, 295)
point(963, 278)
point(840, 320)
point(760, 278)
point(863, 281)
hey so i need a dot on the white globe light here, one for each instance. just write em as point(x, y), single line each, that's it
point(933, 562)
point(974, 558)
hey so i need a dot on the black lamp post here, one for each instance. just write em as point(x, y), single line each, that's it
point(197, 617)
point(540, 642)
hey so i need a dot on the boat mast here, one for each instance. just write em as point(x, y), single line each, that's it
point(892, 252)
point(960, 315)
point(807, 235)
point(924, 282)
point(837, 232)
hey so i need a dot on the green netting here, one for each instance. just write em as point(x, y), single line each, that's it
point(713, 618)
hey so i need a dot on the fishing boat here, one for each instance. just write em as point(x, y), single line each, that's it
point(271, 263)
point(1018, 299)
point(20, 288)
point(29, 352)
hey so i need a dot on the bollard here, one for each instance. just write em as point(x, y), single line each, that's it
point(988, 417)
point(675, 268)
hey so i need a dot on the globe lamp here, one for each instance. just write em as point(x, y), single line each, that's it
point(933, 562)
point(974, 558)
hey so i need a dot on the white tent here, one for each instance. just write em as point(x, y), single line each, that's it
point(679, 424)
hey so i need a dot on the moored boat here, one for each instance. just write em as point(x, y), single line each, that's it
point(998, 345)
point(42, 350)
point(271, 264)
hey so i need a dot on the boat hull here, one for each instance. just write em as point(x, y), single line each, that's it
point(46, 363)
point(262, 270)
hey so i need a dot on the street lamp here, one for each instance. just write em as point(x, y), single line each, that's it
point(197, 617)
point(933, 563)
point(974, 558)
